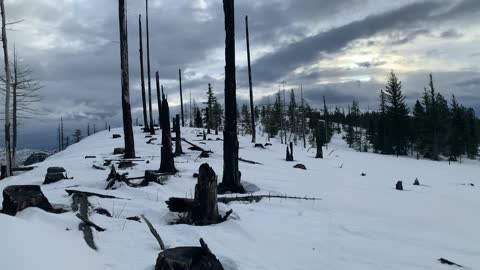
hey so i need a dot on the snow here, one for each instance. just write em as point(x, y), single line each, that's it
point(362, 222)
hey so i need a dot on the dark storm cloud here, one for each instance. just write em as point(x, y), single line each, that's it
point(72, 46)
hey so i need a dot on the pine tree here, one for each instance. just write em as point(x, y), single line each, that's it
point(77, 136)
point(472, 138)
point(418, 128)
point(292, 114)
point(198, 118)
point(456, 131)
point(397, 115)
point(245, 120)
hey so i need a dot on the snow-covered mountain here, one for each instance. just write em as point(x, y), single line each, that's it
point(22, 154)
point(361, 222)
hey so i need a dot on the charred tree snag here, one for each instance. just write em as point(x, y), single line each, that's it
point(289, 156)
point(157, 80)
point(231, 175)
point(399, 185)
point(152, 128)
point(8, 161)
point(142, 74)
point(178, 137)
point(194, 147)
point(252, 112)
point(17, 198)
point(319, 147)
point(126, 110)
point(181, 96)
point(167, 164)
point(206, 211)
point(188, 258)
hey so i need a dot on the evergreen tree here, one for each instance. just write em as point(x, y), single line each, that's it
point(418, 132)
point(457, 131)
point(292, 114)
point(198, 118)
point(472, 138)
point(77, 136)
point(397, 115)
point(245, 120)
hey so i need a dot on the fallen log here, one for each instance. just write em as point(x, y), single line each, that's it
point(90, 223)
point(257, 198)
point(249, 161)
point(98, 167)
point(89, 194)
point(194, 146)
point(80, 203)
point(445, 261)
point(154, 233)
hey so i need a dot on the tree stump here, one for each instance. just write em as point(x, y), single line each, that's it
point(17, 198)
point(53, 178)
point(399, 185)
point(188, 258)
point(167, 164)
point(56, 170)
point(206, 211)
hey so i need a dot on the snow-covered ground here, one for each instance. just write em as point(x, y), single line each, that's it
point(362, 222)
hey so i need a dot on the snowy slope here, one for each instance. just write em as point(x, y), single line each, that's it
point(360, 223)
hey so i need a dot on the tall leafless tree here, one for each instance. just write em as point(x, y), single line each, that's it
point(7, 92)
point(142, 74)
point(181, 96)
point(152, 127)
point(303, 119)
point(325, 115)
point(126, 110)
point(252, 112)
point(231, 174)
point(159, 101)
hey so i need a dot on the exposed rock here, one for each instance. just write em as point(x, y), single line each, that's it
point(300, 166)
point(363, 174)
point(116, 136)
point(35, 158)
point(259, 145)
point(17, 198)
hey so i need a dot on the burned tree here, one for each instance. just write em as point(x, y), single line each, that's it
point(152, 127)
point(157, 80)
point(8, 156)
point(126, 110)
point(178, 137)
point(231, 174)
point(167, 164)
point(252, 113)
point(181, 96)
point(144, 102)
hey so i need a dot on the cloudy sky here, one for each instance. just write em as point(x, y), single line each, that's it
point(342, 49)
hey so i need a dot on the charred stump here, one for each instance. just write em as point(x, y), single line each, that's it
point(167, 164)
point(399, 185)
point(17, 198)
point(231, 175)
point(206, 210)
point(188, 258)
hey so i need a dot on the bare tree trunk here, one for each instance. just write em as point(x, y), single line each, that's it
point(252, 112)
point(62, 141)
point(178, 136)
point(326, 121)
point(303, 120)
point(181, 96)
point(14, 110)
point(8, 155)
point(157, 79)
point(152, 127)
point(319, 148)
point(231, 174)
point(126, 110)
point(144, 102)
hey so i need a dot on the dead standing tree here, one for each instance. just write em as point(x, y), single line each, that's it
point(7, 92)
point(231, 174)
point(159, 102)
point(152, 127)
point(181, 96)
point(252, 112)
point(126, 110)
point(24, 93)
point(178, 136)
point(167, 164)
point(142, 74)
